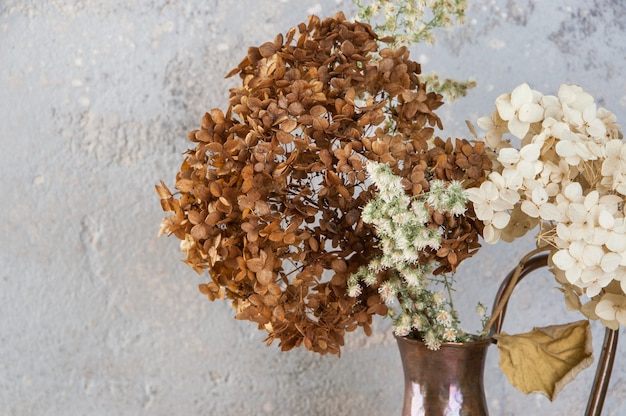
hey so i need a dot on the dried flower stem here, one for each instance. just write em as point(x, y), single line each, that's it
point(509, 290)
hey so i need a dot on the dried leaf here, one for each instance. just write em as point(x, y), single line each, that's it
point(546, 359)
point(267, 49)
point(255, 265)
point(184, 185)
point(200, 232)
point(276, 236)
point(166, 223)
point(289, 238)
point(163, 191)
point(288, 126)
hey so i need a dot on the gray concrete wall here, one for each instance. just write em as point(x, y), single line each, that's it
point(98, 316)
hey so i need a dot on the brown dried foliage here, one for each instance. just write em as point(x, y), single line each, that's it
point(269, 199)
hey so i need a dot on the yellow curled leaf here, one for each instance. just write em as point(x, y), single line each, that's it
point(546, 359)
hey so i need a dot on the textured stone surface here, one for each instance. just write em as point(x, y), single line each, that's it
point(98, 316)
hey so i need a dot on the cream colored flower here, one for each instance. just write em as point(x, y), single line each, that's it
point(586, 121)
point(509, 182)
point(616, 239)
point(575, 258)
point(614, 166)
point(584, 215)
point(495, 127)
point(538, 206)
point(402, 331)
point(491, 234)
point(431, 341)
point(494, 200)
point(525, 161)
point(610, 122)
point(387, 292)
point(449, 334)
point(572, 147)
point(594, 280)
point(520, 109)
point(612, 307)
point(552, 107)
point(579, 110)
point(354, 290)
point(489, 205)
point(438, 298)
point(558, 175)
point(570, 195)
point(444, 318)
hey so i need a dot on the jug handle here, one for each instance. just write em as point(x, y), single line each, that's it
point(609, 346)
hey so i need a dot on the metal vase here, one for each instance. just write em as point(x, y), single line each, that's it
point(446, 382)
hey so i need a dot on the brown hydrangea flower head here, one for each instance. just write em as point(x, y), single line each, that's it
point(269, 200)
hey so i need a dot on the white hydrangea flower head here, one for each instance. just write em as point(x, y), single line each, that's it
point(570, 261)
point(569, 166)
point(574, 97)
point(616, 238)
point(580, 111)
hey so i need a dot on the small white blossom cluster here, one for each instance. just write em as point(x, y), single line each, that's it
point(568, 175)
point(403, 226)
point(414, 21)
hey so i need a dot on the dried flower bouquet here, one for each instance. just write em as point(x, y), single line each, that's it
point(269, 201)
point(322, 196)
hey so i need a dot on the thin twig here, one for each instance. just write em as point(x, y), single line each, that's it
point(509, 290)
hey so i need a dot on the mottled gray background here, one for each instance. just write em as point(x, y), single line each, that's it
point(99, 317)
